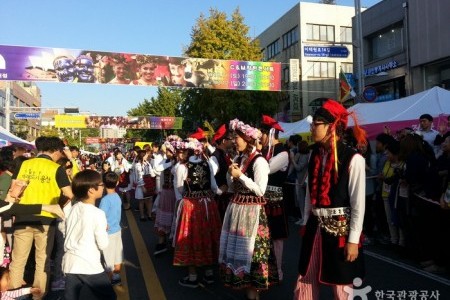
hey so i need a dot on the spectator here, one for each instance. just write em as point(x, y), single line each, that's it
point(110, 204)
point(20, 151)
point(443, 133)
point(427, 132)
point(58, 282)
point(86, 237)
point(300, 163)
point(13, 294)
point(75, 158)
point(46, 180)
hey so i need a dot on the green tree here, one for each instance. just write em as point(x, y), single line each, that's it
point(20, 128)
point(49, 131)
point(217, 37)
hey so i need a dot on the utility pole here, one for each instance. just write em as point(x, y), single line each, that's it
point(8, 107)
point(359, 49)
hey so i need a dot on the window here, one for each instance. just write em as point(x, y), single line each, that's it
point(347, 68)
point(346, 35)
point(263, 54)
point(290, 37)
point(386, 43)
point(323, 33)
point(273, 49)
point(323, 69)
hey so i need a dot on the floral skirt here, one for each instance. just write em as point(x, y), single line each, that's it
point(198, 232)
point(263, 270)
point(165, 210)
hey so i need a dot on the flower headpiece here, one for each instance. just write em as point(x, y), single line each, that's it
point(173, 137)
point(247, 130)
point(194, 144)
point(169, 146)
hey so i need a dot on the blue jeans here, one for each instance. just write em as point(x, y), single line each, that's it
point(99, 285)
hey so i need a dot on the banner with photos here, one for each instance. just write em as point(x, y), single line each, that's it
point(87, 66)
point(114, 122)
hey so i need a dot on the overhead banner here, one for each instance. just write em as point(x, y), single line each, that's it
point(87, 66)
point(111, 122)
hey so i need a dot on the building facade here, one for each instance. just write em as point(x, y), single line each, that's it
point(313, 42)
point(406, 48)
point(24, 97)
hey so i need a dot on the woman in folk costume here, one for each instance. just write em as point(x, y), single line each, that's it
point(198, 222)
point(278, 157)
point(166, 207)
point(246, 260)
point(335, 202)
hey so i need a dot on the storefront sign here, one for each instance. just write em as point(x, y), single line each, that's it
point(381, 68)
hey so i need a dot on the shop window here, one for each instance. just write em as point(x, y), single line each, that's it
point(386, 43)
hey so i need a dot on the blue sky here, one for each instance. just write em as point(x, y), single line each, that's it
point(136, 26)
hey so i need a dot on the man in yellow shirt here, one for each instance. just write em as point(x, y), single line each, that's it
point(46, 180)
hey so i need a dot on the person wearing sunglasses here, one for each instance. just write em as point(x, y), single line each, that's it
point(335, 204)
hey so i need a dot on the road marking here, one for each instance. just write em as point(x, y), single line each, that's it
point(408, 267)
point(150, 277)
point(121, 290)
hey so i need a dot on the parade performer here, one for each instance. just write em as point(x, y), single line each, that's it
point(278, 157)
point(198, 222)
point(166, 207)
point(245, 258)
point(335, 202)
point(222, 142)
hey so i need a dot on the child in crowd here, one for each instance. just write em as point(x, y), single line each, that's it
point(13, 294)
point(86, 237)
point(111, 204)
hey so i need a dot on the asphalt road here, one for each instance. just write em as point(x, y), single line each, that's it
point(389, 275)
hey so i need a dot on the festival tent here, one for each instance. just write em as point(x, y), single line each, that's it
point(7, 138)
point(300, 127)
point(401, 113)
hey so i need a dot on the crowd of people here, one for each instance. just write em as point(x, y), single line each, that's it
point(222, 201)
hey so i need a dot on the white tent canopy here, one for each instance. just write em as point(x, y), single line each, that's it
point(403, 112)
point(396, 114)
point(298, 127)
point(7, 136)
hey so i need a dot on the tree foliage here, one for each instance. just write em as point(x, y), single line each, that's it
point(217, 37)
point(20, 128)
